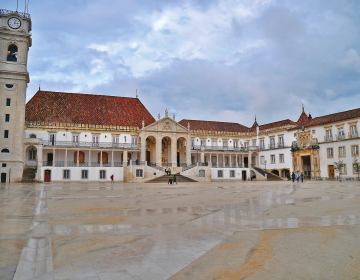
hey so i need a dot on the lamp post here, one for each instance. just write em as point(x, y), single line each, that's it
point(265, 165)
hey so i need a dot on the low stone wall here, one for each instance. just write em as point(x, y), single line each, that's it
point(193, 173)
point(149, 173)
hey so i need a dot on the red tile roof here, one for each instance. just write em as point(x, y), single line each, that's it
point(336, 117)
point(61, 107)
point(214, 126)
point(276, 124)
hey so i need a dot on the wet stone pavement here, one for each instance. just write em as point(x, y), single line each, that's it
point(232, 230)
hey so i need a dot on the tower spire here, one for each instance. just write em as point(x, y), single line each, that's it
point(137, 94)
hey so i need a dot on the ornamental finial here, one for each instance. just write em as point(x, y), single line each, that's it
point(159, 116)
point(166, 112)
point(174, 116)
point(137, 94)
point(188, 125)
point(143, 123)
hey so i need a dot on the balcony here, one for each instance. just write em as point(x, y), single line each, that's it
point(108, 145)
point(341, 137)
point(80, 164)
point(217, 148)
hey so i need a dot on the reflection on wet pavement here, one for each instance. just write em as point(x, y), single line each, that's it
point(72, 231)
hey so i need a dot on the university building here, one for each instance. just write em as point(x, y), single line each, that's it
point(61, 136)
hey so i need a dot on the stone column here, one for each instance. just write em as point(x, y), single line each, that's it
point(101, 162)
point(125, 156)
point(202, 155)
point(312, 165)
point(89, 158)
point(297, 162)
point(66, 151)
point(174, 152)
point(53, 163)
point(158, 140)
point(143, 149)
point(210, 160)
point(217, 159)
point(242, 161)
point(223, 158)
point(112, 158)
point(188, 151)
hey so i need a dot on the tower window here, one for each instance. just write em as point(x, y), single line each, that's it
point(8, 101)
point(5, 151)
point(12, 53)
point(9, 86)
point(7, 117)
point(6, 133)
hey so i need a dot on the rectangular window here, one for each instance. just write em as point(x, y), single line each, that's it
point(225, 144)
point(201, 173)
point(102, 174)
point(272, 143)
point(342, 152)
point(32, 155)
point(116, 140)
point(75, 138)
point(134, 140)
point(262, 159)
point(281, 158)
point(328, 135)
point(232, 173)
point(330, 153)
point(313, 131)
point(281, 140)
point(3, 165)
point(95, 139)
point(139, 173)
point(84, 174)
point(7, 118)
point(66, 174)
point(353, 130)
point(262, 144)
point(52, 138)
point(355, 150)
point(6, 133)
point(343, 170)
point(254, 142)
point(356, 168)
point(236, 144)
point(246, 145)
point(272, 157)
point(220, 174)
point(341, 132)
point(213, 143)
point(8, 101)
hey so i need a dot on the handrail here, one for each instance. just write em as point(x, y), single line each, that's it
point(90, 144)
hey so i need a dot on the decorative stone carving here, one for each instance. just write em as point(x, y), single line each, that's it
point(166, 126)
point(159, 116)
point(188, 125)
point(143, 124)
point(174, 116)
point(166, 112)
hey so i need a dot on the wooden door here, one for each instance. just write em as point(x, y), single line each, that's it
point(47, 176)
point(148, 158)
point(244, 175)
point(104, 157)
point(331, 171)
point(81, 157)
point(3, 177)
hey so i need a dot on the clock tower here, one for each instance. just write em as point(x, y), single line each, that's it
point(15, 40)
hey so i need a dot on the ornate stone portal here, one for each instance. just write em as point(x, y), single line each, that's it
point(305, 154)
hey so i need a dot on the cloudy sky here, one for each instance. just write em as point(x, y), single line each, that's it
point(221, 60)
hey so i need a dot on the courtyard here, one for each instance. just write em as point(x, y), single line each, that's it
point(217, 230)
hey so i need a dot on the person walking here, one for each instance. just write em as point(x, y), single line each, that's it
point(302, 177)
point(174, 179)
point(293, 177)
point(170, 179)
point(112, 179)
point(297, 177)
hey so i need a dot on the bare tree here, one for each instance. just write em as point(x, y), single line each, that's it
point(338, 165)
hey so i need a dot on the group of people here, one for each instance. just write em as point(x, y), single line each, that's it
point(172, 179)
point(297, 177)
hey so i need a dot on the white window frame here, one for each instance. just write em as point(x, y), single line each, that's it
point(32, 155)
point(330, 155)
point(95, 139)
point(115, 139)
point(272, 159)
point(84, 172)
point(232, 173)
point(355, 150)
point(281, 158)
point(66, 174)
point(220, 172)
point(342, 151)
point(76, 138)
point(139, 173)
point(102, 174)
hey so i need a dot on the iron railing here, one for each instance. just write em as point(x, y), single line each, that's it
point(220, 148)
point(90, 144)
point(5, 12)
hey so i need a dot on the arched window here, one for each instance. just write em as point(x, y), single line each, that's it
point(12, 53)
point(5, 151)
point(32, 136)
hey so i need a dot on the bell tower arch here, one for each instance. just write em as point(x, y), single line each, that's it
point(15, 41)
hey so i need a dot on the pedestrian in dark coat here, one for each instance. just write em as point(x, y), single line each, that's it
point(293, 176)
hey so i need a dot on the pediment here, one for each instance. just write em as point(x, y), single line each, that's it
point(166, 124)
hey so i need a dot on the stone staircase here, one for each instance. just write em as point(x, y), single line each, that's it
point(29, 175)
point(165, 178)
point(270, 176)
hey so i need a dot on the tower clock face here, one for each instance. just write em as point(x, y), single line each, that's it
point(14, 23)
